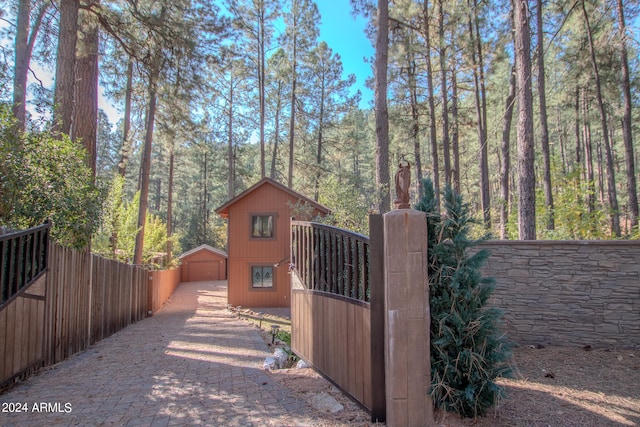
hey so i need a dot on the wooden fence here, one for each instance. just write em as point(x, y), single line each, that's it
point(330, 310)
point(88, 299)
point(162, 283)
point(52, 310)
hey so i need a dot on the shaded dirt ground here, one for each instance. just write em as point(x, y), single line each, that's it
point(564, 386)
point(553, 386)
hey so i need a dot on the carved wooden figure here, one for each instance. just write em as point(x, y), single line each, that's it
point(403, 181)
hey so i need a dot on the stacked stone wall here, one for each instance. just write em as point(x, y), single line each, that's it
point(568, 293)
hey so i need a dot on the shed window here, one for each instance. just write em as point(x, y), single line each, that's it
point(261, 277)
point(262, 226)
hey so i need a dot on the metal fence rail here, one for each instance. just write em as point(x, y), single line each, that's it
point(331, 259)
point(23, 259)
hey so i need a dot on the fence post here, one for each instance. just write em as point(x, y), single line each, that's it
point(376, 288)
point(407, 319)
point(151, 293)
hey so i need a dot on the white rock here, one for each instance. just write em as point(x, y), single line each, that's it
point(301, 364)
point(325, 403)
point(281, 357)
point(270, 363)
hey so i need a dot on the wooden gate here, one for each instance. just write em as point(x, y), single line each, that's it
point(335, 326)
point(23, 264)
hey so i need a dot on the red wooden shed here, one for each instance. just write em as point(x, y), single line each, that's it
point(204, 263)
point(258, 226)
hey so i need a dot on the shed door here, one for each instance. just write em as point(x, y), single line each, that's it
point(204, 270)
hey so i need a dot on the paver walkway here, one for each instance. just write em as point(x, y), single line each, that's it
point(193, 363)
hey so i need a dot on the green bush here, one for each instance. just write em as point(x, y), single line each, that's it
point(46, 178)
point(285, 337)
point(468, 351)
point(116, 237)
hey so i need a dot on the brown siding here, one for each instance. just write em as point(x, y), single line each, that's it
point(241, 293)
point(244, 251)
point(204, 265)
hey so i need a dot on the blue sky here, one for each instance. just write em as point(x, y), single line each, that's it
point(343, 32)
point(345, 35)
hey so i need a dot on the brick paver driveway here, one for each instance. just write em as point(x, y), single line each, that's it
point(193, 363)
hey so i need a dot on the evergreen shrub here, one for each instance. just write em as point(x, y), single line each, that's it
point(468, 350)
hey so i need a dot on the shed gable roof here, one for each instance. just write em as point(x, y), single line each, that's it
point(206, 248)
point(223, 210)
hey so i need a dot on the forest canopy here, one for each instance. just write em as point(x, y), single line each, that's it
point(524, 107)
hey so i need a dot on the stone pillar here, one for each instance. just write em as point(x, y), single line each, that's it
point(406, 294)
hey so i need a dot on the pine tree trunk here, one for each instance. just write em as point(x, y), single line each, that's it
point(126, 139)
point(382, 113)
point(505, 165)
point(230, 160)
point(170, 202)
point(627, 133)
point(24, 43)
point(145, 169)
point(415, 119)
point(319, 153)
point(21, 67)
point(601, 175)
point(292, 119)
point(145, 162)
point(562, 132)
point(526, 172)
point(65, 67)
point(276, 133)
point(85, 115)
point(484, 153)
point(611, 180)
point(158, 195)
point(433, 137)
point(444, 93)
point(205, 197)
point(455, 145)
point(480, 103)
point(544, 127)
point(588, 154)
point(262, 91)
point(577, 127)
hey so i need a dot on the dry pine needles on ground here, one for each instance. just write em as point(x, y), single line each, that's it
point(552, 386)
point(565, 387)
